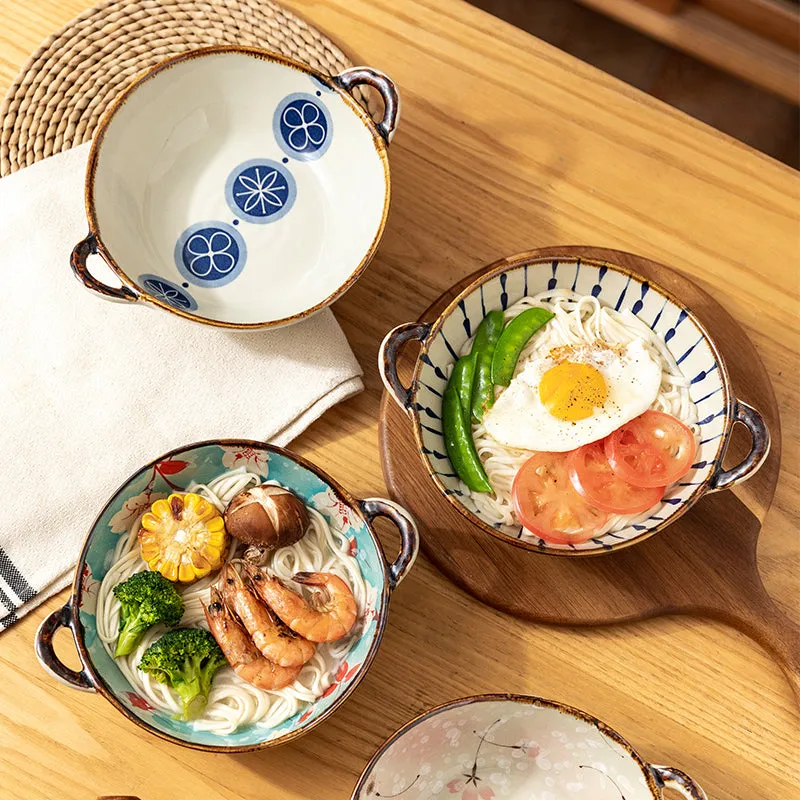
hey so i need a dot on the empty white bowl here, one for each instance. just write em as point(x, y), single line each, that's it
point(236, 187)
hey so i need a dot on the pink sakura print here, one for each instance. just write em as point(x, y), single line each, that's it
point(169, 466)
point(139, 702)
point(89, 586)
point(336, 510)
point(135, 506)
point(132, 508)
point(470, 785)
point(344, 673)
point(342, 511)
point(250, 458)
point(469, 789)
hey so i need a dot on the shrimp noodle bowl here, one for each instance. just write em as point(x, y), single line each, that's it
point(578, 319)
point(232, 702)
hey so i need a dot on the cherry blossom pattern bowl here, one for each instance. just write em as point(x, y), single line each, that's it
point(503, 284)
point(237, 188)
point(517, 747)
point(201, 462)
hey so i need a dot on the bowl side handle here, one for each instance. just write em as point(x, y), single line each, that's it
point(80, 254)
point(679, 781)
point(349, 78)
point(759, 450)
point(373, 507)
point(387, 359)
point(62, 618)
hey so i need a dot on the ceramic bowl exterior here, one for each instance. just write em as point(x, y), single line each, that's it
point(519, 276)
point(202, 462)
point(235, 187)
point(511, 746)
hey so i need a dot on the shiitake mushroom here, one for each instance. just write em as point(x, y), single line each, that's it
point(267, 516)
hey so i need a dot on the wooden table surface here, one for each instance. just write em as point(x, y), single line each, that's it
point(504, 144)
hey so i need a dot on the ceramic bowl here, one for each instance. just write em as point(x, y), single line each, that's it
point(201, 462)
point(504, 745)
point(508, 281)
point(235, 187)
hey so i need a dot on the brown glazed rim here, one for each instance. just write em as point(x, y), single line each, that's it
point(529, 258)
point(523, 699)
point(79, 633)
point(265, 55)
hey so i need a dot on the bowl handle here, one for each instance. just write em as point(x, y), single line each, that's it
point(47, 656)
point(80, 253)
point(354, 76)
point(387, 358)
point(409, 535)
point(671, 778)
point(759, 450)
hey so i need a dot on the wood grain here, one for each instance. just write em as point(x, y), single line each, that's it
point(715, 39)
point(773, 19)
point(663, 6)
point(675, 572)
point(505, 144)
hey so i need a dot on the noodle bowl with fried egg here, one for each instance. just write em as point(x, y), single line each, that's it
point(582, 329)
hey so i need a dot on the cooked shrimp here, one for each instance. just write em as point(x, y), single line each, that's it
point(275, 641)
point(242, 655)
point(332, 614)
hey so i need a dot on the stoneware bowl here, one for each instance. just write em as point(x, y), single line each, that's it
point(513, 746)
point(505, 283)
point(235, 187)
point(174, 471)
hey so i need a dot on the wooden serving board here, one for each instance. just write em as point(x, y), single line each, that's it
point(703, 564)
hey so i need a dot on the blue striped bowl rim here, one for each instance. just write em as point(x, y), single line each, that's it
point(635, 288)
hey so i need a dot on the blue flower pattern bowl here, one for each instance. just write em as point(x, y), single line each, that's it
point(238, 188)
point(175, 471)
point(503, 285)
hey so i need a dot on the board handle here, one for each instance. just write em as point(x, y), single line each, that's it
point(775, 632)
point(671, 778)
point(759, 450)
point(47, 656)
point(388, 354)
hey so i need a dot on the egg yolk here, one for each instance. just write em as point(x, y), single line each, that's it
point(571, 391)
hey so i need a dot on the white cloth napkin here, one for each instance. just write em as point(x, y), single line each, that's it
point(90, 390)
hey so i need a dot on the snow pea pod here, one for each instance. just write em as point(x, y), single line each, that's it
point(458, 442)
point(515, 336)
point(461, 378)
point(483, 349)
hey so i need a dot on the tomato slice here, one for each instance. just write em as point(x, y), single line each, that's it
point(654, 449)
point(596, 482)
point(546, 503)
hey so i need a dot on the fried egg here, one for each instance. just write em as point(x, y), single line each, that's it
point(573, 395)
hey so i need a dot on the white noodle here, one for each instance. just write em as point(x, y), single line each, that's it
point(232, 702)
point(578, 319)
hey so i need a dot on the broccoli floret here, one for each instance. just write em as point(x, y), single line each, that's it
point(185, 659)
point(147, 598)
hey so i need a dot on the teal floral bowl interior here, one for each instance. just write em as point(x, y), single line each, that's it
point(175, 471)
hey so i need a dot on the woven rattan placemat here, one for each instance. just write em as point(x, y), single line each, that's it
point(57, 100)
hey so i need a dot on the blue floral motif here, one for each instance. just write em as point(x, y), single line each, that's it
point(260, 191)
point(210, 253)
point(302, 126)
point(167, 292)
